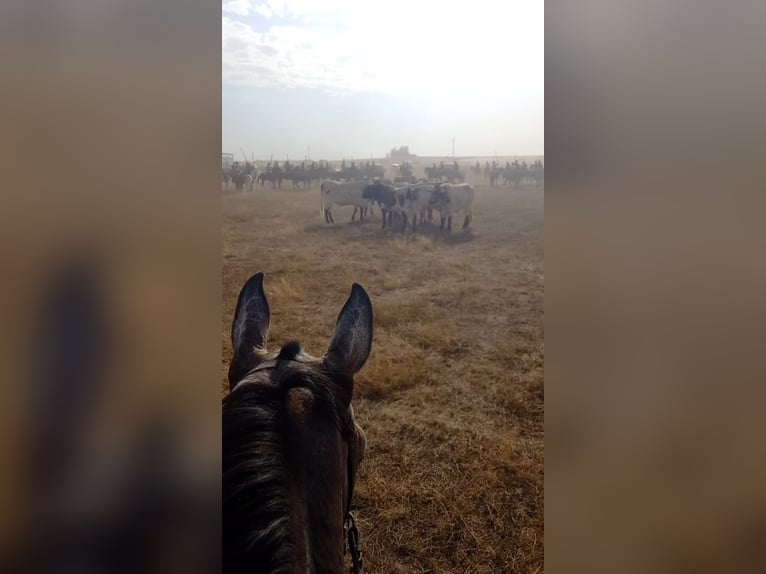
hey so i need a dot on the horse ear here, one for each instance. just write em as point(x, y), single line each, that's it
point(352, 338)
point(251, 319)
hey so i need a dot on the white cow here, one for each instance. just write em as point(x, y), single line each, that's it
point(343, 193)
point(417, 203)
point(451, 198)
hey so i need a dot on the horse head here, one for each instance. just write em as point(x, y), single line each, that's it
point(291, 447)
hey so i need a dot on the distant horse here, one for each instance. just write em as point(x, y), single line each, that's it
point(239, 179)
point(448, 172)
point(512, 176)
point(275, 177)
point(494, 175)
point(291, 447)
point(300, 177)
point(370, 171)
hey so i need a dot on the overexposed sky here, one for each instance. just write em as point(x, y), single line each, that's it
point(354, 78)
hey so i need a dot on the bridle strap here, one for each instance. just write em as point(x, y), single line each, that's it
point(352, 532)
point(353, 544)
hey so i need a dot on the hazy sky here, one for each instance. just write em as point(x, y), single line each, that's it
point(350, 78)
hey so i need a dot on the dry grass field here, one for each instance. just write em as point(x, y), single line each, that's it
point(451, 398)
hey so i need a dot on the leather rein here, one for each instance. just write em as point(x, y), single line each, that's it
point(352, 532)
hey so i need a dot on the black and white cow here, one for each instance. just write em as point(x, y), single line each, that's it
point(390, 199)
point(417, 203)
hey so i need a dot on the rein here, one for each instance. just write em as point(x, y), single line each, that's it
point(351, 531)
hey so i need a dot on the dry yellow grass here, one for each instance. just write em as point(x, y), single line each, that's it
point(451, 398)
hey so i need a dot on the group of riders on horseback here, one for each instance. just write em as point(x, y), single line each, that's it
point(513, 173)
point(370, 170)
point(306, 174)
point(239, 174)
point(451, 172)
point(246, 175)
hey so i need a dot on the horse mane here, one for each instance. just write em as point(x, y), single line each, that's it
point(258, 533)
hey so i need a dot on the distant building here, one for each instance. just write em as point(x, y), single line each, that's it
point(401, 154)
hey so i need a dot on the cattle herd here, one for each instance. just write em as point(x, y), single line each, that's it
point(410, 203)
point(410, 200)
